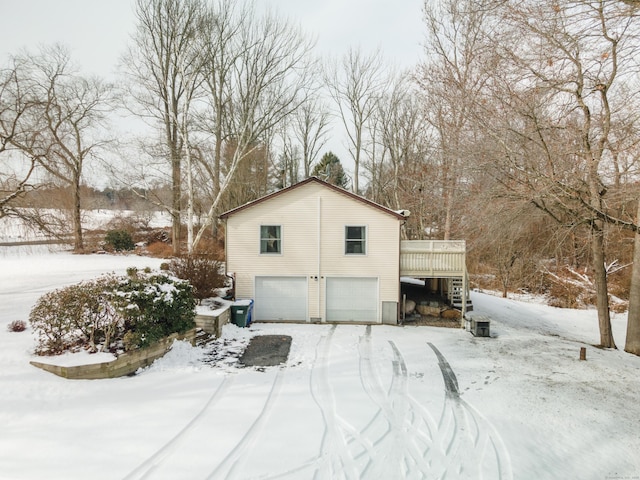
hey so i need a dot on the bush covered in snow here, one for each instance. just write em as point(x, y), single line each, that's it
point(154, 305)
point(74, 316)
point(112, 312)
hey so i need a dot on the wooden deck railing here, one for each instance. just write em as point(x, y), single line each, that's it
point(433, 258)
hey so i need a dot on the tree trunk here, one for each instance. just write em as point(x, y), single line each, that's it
point(176, 193)
point(356, 167)
point(448, 215)
point(78, 243)
point(189, 192)
point(632, 343)
point(602, 294)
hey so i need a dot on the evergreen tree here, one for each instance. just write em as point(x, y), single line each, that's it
point(330, 170)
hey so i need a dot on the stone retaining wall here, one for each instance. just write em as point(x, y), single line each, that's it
point(125, 364)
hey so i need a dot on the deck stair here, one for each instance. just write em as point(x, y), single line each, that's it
point(455, 295)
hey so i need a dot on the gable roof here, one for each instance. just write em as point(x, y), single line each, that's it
point(330, 186)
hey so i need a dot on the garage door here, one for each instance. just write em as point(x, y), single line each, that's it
point(280, 298)
point(351, 299)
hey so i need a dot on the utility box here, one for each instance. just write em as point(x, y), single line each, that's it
point(480, 327)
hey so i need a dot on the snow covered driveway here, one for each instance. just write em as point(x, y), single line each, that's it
point(352, 401)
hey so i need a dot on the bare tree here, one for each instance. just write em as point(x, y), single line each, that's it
point(17, 101)
point(309, 125)
point(375, 168)
point(301, 137)
point(66, 124)
point(355, 85)
point(451, 80)
point(404, 134)
point(223, 28)
point(266, 79)
point(561, 83)
point(160, 65)
point(632, 343)
point(288, 163)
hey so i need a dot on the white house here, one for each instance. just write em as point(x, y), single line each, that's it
point(314, 252)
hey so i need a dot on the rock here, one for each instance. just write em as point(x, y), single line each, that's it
point(409, 307)
point(426, 310)
point(451, 314)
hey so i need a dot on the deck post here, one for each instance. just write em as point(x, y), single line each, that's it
point(464, 299)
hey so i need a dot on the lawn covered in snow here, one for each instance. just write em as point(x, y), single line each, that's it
point(352, 402)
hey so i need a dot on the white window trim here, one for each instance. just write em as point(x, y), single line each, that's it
point(366, 241)
point(260, 239)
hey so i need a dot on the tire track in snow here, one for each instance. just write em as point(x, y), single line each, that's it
point(332, 459)
point(147, 467)
point(231, 466)
point(411, 422)
point(374, 389)
point(335, 460)
point(399, 452)
point(471, 445)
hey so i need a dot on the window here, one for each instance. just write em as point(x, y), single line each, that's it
point(270, 239)
point(355, 240)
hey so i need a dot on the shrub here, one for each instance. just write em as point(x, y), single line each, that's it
point(620, 283)
point(17, 326)
point(203, 272)
point(97, 318)
point(51, 320)
point(154, 306)
point(157, 235)
point(136, 310)
point(564, 295)
point(210, 248)
point(119, 240)
point(160, 250)
point(76, 316)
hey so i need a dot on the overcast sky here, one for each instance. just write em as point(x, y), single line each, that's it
point(97, 31)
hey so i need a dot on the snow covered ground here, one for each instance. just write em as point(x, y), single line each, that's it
point(15, 230)
point(375, 402)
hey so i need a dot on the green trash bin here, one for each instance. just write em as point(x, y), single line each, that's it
point(241, 312)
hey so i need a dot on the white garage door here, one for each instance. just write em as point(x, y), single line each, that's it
point(280, 298)
point(351, 299)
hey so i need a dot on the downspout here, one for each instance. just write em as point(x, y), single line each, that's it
point(232, 275)
point(402, 300)
point(318, 278)
point(226, 248)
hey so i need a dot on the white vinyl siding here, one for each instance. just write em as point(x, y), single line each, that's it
point(280, 298)
point(313, 220)
point(352, 299)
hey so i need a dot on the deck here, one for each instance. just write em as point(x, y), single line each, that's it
point(433, 258)
point(441, 259)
